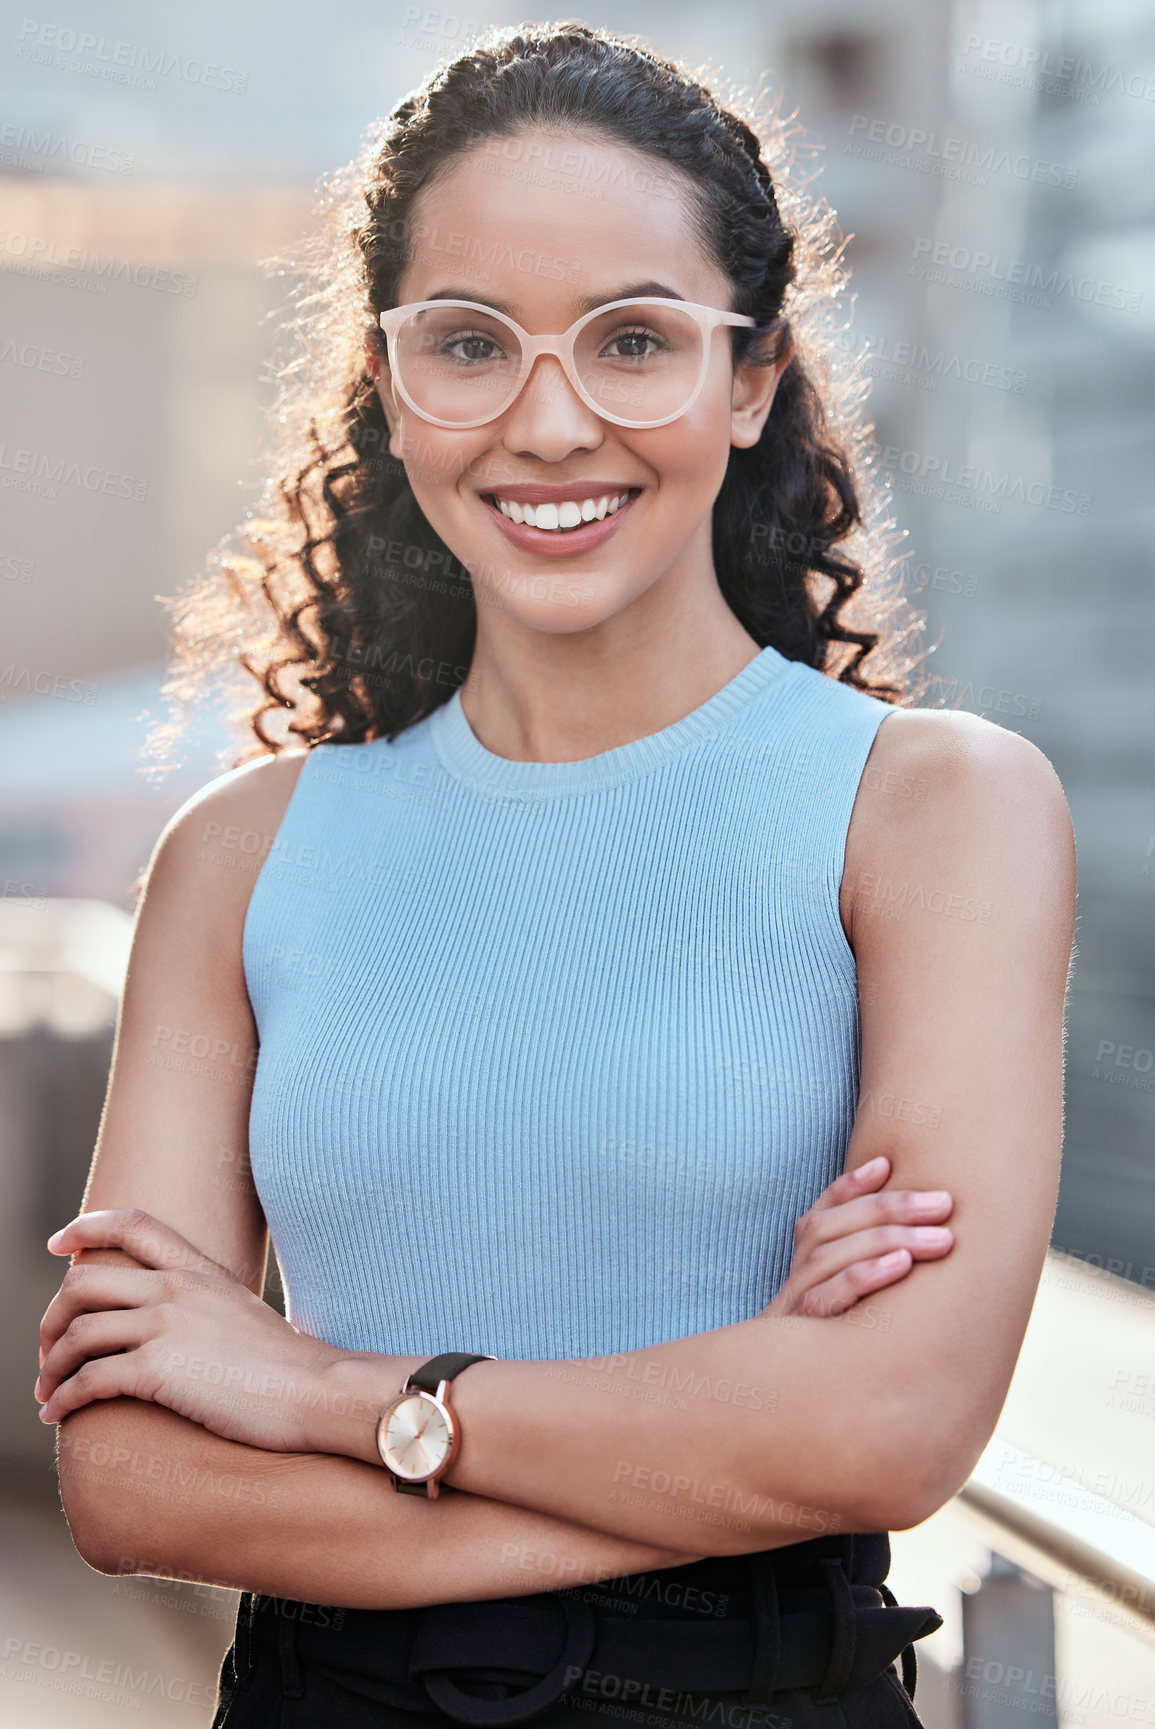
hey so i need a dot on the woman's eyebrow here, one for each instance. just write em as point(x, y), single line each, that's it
point(579, 306)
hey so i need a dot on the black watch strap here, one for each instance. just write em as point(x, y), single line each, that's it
point(443, 1368)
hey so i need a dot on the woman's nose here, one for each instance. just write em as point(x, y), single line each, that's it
point(548, 417)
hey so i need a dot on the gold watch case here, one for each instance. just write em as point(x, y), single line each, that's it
point(417, 1436)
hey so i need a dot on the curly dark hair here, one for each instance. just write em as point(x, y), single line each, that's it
point(337, 596)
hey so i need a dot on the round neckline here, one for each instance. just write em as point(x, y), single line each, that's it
point(464, 755)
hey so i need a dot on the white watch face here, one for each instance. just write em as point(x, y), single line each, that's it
point(416, 1436)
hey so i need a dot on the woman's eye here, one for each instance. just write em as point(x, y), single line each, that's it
point(471, 346)
point(632, 345)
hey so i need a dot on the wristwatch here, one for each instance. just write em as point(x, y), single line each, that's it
point(418, 1435)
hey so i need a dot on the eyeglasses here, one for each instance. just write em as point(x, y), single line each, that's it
point(459, 364)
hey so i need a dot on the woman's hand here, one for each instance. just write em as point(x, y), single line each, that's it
point(854, 1241)
point(180, 1331)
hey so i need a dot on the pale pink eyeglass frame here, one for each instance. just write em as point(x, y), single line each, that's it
point(560, 345)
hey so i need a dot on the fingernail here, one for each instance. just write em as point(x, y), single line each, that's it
point(871, 1167)
point(36, 1393)
point(56, 1236)
point(931, 1233)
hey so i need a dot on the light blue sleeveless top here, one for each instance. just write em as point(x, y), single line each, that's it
point(553, 1055)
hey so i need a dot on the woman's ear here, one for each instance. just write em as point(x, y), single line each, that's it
point(383, 381)
point(753, 398)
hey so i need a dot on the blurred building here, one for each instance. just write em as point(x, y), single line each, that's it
point(996, 167)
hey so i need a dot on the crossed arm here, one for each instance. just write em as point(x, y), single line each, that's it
point(959, 907)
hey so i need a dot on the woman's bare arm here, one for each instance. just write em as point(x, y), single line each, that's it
point(147, 1490)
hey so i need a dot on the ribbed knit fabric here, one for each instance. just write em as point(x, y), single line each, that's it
point(553, 1055)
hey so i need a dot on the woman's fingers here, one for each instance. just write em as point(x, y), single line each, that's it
point(859, 1237)
point(95, 1335)
point(87, 1288)
point(850, 1184)
point(146, 1238)
point(892, 1206)
point(162, 1252)
point(90, 1287)
point(105, 1377)
point(834, 1296)
point(921, 1242)
point(836, 1273)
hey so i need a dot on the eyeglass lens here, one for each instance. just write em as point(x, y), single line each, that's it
point(639, 362)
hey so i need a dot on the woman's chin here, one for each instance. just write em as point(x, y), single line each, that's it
point(553, 604)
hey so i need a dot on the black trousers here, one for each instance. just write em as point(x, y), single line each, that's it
point(803, 1637)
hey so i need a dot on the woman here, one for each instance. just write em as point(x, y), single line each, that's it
point(558, 942)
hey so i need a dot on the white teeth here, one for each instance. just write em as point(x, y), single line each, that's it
point(565, 516)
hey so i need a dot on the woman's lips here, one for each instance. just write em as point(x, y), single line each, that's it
point(561, 542)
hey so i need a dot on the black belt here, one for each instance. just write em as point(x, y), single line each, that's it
point(829, 1638)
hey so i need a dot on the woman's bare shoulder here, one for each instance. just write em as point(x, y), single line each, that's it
point(936, 749)
point(948, 798)
point(222, 834)
point(255, 794)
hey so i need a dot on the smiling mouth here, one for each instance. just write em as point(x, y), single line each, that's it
point(564, 517)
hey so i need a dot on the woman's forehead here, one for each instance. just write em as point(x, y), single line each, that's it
point(557, 218)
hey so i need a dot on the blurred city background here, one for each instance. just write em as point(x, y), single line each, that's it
point(994, 166)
